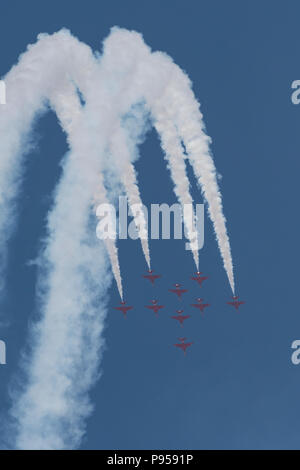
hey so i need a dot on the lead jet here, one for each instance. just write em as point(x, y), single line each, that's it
point(182, 345)
point(180, 317)
point(198, 278)
point(178, 291)
point(124, 309)
point(236, 303)
point(152, 277)
point(200, 305)
point(154, 306)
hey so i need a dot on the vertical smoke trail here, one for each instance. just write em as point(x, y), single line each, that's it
point(190, 127)
point(74, 265)
point(174, 154)
point(134, 199)
point(110, 244)
point(149, 81)
point(183, 111)
point(166, 87)
point(67, 342)
point(119, 147)
point(67, 106)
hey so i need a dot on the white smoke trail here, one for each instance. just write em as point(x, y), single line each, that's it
point(110, 244)
point(148, 79)
point(167, 91)
point(188, 119)
point(174, 153)
point(178, 106)
point(56, 389)
point(27, 86)
point(119, 147)
point(50, 411)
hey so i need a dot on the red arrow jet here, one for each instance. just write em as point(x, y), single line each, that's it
point(154, 306)
point(124, 309)
point(236, 303)
point(182, 345)
point(152, 277)
point(178, 291)
point(200, 305)
point(198, 278)
point(180, 317)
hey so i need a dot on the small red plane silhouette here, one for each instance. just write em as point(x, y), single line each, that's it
point(180, 317)
point(124, 309)
point(200, 305)
point(236, 303)
point(152, 277)
point(182, 345)
point(178, 291)
point(198, 278)
point(154, 307)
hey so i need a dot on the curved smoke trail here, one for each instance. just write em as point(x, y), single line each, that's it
point(50, 410)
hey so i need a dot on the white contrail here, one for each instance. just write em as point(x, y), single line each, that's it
point(121, 153)
point(110, 244)
point(66, 344)
point(174, 153)
point(27, 86)
point(167, 91)
point(177, 97)
point(188, 119)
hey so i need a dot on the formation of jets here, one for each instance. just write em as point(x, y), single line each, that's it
point(178, 291)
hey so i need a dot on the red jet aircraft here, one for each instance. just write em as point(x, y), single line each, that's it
point(152, 277)
point(198, 278)
point(180, 317)
point(200, 305)
point(182, 345)
point(154, 307)
point(236, 303)
point(123, 309)
point(178, 291)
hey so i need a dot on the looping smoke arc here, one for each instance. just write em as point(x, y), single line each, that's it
point(91, 95)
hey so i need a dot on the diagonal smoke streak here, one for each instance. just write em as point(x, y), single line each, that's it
point(178, 99)
point(110, 244)
point(121, 153)
point(67, 106)
point(174, 153)
point(50, 411)
point(188, 119)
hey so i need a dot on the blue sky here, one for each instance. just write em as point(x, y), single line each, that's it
point(237, 387)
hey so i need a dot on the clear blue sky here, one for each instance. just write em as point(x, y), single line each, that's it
point(237, 387)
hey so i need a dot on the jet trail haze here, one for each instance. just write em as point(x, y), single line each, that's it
point(50, 73)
